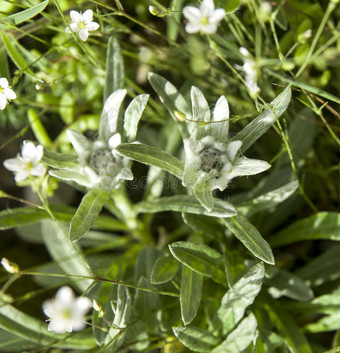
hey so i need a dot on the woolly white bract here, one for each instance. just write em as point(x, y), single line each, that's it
point(28, 163)
point(99, 165)
point(6, 93)
point(203, 19)
point(66, 313)
point(82, 24)
point(211, 162)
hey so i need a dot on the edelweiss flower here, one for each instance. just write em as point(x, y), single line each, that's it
point(5, 93)
point(66, 312)
point(250, 69)
point(205, 19)
point(210, 161)
point(99, 165)
point(82, 24)
point(28, 163)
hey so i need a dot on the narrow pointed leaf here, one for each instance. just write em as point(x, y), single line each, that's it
point(238, 298)
point(132, 115)
point(196, 339)
point(185, 203)
point(287, 327)
point(239, 339)
point(114, 78)
point(322, 225)
point(165, 269)
point(65, 253)
point(25, 15)
point(203, 193)
point(264, 121)
point(250, 238)
point(200, 258)
point(190, 295)
point(152, 156)
point(60, 160)
point(87, 213)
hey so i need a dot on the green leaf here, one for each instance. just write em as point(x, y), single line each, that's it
point(132, 116)
point(200, 258)
point(65, 253)
point(228, 5)
point(327, 323)
point(284, 283)
point(38, 128)
point(304, 86)
point(34, 330)
point(114, 78)
point(322, 225)
point(295, 340)
point(238, 298)
point(21, 216)
point(239, 339)
point(264, 121)
point(250, 238)
point(208, 226)
point(190, 295)
point(269, 200)
point(185, 203)
point(10, 44)
point(165, 270)
point(152, 156)
point(60, 160)
point(323, 268)
point(87, 213)
point(196, 339)
point(25, 15)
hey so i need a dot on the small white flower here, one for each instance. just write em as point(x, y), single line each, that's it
point(66, 313)
point(28, 163)
point(9, 266)
point(250, 69)
point(5, 93)
point(82, 24)
point(204, 19)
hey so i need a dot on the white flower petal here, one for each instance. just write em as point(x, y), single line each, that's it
point(83, 304)
point(191, 13)
point(92, 26)
point(207, 7)
point(191, 27)
point(21, 175)
point(244, 51)
point(39, 152)
point(74, 27)
point(75, 16)
point(65, 295)
point(3, 101)
point(217, 15)
point(245, 166)
point(3, 82)
point(28, 151)
point(83, 34)
point(210, 28)
point(9, 93)
point(114, 141)
point(13, 164)
point(232, 149)
point(87, 16)
point(38, 170)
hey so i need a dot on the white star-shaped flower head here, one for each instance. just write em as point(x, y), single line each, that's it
point(6, 93)
point(203, 19)
point(211, 162)
point(82, 24)
point(66, 313)
point(28, 163)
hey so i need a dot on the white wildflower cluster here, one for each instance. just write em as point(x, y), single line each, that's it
point(66, 313)
point(27, 163)
point(82, 24)
point(203, 19)
point(251, 72)
point(6, 93)
point(211, 159)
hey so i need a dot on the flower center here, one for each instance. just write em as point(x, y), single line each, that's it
point(204, 20)
point(102, 161)
point(1, 90)
point(210, 159)
point(82, 25)
point(66, 314)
